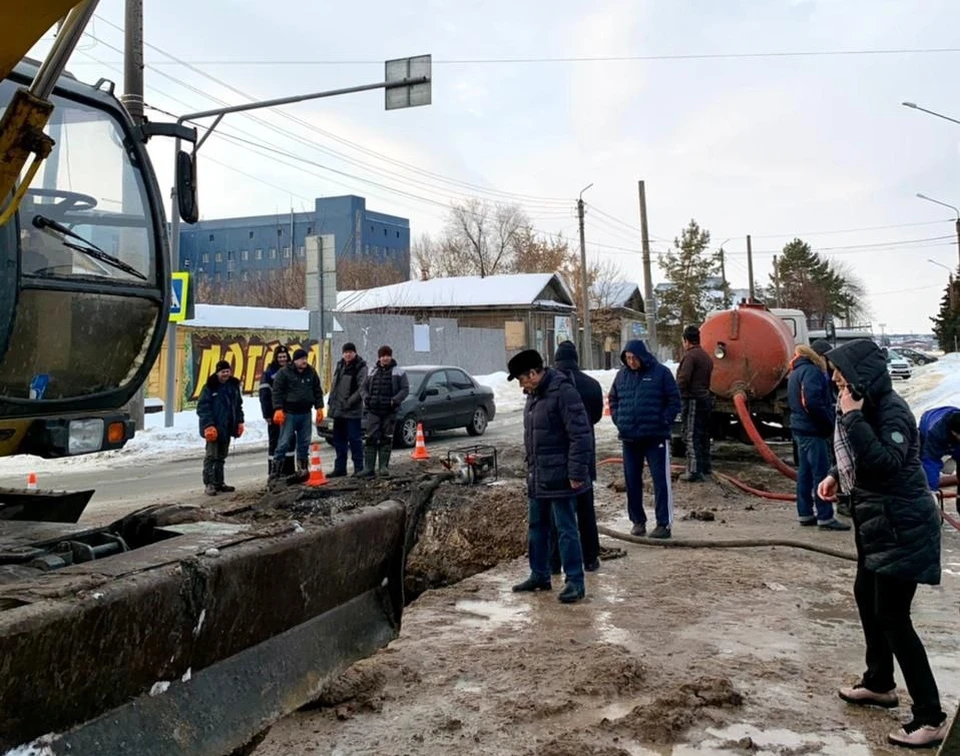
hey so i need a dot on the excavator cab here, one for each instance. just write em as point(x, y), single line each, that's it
point(84, 298)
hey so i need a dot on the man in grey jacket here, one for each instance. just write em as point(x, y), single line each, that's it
point(346, 409)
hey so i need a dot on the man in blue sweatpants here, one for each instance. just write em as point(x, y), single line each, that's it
point(939, 438)
point(644, 402)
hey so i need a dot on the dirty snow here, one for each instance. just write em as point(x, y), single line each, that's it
point(934, 385)
point(39, 747)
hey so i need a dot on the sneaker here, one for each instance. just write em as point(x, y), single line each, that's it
point(571, 593)
point(833, 524)
point(660, 532)
point(861, 696)
point(639, 529)
point(915, 735)
point(692, 477)
point(592, 566)
point(211, 490)
point(224, 488)
point(808, 523)
point(532, 584)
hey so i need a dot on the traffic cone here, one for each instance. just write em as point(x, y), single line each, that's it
point(32, 481)
point(606, 406)
point(317, 478)
point(420, 453)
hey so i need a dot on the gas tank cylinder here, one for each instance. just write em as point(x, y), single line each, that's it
point(751, 349)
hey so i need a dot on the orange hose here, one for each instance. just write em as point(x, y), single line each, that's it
point(743, 412)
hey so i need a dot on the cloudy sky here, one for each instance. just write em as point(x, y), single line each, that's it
point(774, 146)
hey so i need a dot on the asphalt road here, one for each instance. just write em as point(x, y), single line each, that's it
point(129, 487)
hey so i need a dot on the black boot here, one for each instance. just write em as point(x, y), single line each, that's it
point(276, 466)
point(385, 451)
point(369, 463)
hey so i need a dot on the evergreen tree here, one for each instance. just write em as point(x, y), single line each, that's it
point(946, 325)
point(818, 287)
point(688, 268)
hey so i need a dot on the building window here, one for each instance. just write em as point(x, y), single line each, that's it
point(205, 258)
point(279, 232)
point(230, 264)
point(286, 253)
point(251, 235)
point(211, 237)
point(258, 255)
point(384, 232)
point(272, 254)
point(301, 251)
point(366, 249)
point(244, 254)
point(186, 263)
point(398, 234)
point(229, 275)
point(219, 257)
point(243, 275)
point(309, 230)
point(371, 228)
point(230, 254)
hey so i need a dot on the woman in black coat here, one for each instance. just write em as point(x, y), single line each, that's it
point(897, 530)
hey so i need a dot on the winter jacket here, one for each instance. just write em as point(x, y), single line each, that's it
point(296, 391)
point(645, 402)
point(220, 405)
point(895, 516)
point(345, 400)
point(812, 409)
point(385, 389)
point(591, 393)
point(936, 442)
point(265, 391)
point(557, 438)
point(693, 373)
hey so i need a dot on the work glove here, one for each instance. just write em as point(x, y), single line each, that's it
point(279, 418)
point(239, 430)
point(320, 416)
point(210, 433)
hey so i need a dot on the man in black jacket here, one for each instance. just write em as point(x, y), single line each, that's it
point(346, 409)
point(220, 415)
point(693, 380)
point(557, 440)
point(566, 360)
point(296, 390)
point(281, 357)
point(383, 392)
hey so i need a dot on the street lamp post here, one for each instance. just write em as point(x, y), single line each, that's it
point(403, 89)
point(952, 292)
point(585, 289)
point(952, 207)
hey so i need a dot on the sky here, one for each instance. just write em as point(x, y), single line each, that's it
point(773, 146)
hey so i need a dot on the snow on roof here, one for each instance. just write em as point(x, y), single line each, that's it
point(613, 294)
point(463, 291)
point(230, 316)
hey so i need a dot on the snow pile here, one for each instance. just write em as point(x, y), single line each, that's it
point(933, 385)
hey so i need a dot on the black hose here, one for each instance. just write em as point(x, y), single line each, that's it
point(744, 543)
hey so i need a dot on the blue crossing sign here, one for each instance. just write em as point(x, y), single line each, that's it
point(180, 300)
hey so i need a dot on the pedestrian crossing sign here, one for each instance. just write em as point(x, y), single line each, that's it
point(180, 297)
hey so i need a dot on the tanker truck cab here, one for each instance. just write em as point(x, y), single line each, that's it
point(796, 321)
point(85, 295)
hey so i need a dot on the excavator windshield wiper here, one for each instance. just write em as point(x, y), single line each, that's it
point(91, 249)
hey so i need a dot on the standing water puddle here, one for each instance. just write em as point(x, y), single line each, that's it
point(487, 614)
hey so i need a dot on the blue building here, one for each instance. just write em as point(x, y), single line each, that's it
point(236, 249)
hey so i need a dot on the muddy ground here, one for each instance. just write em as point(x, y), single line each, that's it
point(673, 651)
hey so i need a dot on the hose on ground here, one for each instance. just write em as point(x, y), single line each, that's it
point(740, 543)
point(743, 413)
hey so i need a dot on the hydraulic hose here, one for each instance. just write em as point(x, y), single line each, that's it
point(743, 412)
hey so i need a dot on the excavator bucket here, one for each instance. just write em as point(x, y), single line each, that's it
point(195, 642)
point(43, 506)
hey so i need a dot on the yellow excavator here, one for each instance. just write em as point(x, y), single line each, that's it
point(167, 632)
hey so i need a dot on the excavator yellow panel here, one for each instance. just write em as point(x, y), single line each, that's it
point(24, 23)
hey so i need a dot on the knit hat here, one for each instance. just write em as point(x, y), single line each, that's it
point(349, 347)
point(384, 351)
point(692, 334)
point(300, 354)
point(223, 365)
point(524, 362)
point(821, 346)
point(566, 350)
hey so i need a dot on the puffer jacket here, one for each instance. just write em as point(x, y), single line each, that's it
point(557, 438)
point(895, 516)
point(385, 389)
point(812, 408)
point(566, 360)
point(936, 442)
point(345, 399)
point(297, 391)
point(645, 402)
point(221, 406)
point(265, 391)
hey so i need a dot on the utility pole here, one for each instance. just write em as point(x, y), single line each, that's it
point(958, 237)
point(650, 306)
point(723, 269)
point(750, 268)
point(585, 290)
point(776, 281)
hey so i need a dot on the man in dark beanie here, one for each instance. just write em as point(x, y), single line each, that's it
point(296, 390)
point(281, 357)
point(382, 392)
point(346, 409)
point(559, 446)
point(693, 380)
point(220, 415)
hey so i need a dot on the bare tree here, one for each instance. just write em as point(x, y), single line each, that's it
point(535, 253)
point(282, 288)
point(481, 237)
point(366, 274)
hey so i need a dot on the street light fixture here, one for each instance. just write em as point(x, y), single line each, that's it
point(584, 288)
point(952, 207)
point(914, 106)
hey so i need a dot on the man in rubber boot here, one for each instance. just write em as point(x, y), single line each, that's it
point(644, 402)
point(220, 415)
point(296, 391)
point(383, 392)
point(693, 380)
point(566, 360)
point(558, 446)
point(812, 415)
point(939, 438)
point(281, 357)
point(346, 409)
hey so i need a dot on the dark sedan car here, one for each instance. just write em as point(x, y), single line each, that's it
point(442, 398)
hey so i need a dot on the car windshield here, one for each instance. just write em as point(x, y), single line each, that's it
point(415, 377)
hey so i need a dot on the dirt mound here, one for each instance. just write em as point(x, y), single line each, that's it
point(567, 745)
point(611, 671)
point(361, 687)
point(665, 719)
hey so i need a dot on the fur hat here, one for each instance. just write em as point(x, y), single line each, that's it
point(524, 362)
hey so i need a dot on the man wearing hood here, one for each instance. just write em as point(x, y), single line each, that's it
point(644, 402)
point(220, 415)
point(382, 392)
point(558, 446)
point(812, 414)
point(346, 409)
point(566, 360)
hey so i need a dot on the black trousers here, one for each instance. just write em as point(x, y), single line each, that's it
point(695, 415)
point(213, 460)
point(884, 606)
point(587, 525)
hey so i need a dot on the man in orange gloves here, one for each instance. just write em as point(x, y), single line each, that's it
point(296, 390)
point(220, 412)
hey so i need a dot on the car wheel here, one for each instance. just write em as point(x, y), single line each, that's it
point(478, 425)
point(407, 432)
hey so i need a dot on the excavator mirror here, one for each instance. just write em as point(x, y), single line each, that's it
point(187, 187)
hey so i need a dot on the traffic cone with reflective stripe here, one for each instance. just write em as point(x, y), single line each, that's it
point(317, 478)
point(420, 453)
point(606, 406)
point(32, 481)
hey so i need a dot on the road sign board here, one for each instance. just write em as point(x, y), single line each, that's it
point(179, 296)
point(411, 95)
